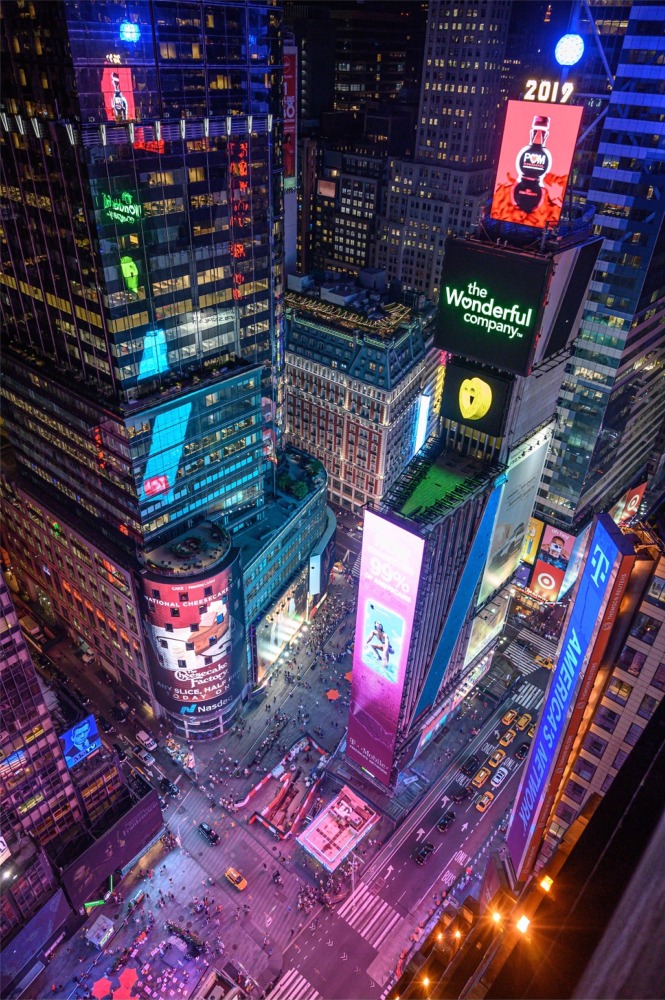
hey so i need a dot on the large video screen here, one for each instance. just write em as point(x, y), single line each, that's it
point(554, 555)
point(534, 163)
point(80, 741)
point(474, 398)
point(197, 633)
point(491, 303)
point(389, 576)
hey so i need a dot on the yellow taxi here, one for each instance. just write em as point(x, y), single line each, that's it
point(235, 878)
point(496, 758)
point(532, 731)
point(509, 716)
point(544, 661)
point(523, 721)
point(484, 801)
point(507, 737)
point(481, 777)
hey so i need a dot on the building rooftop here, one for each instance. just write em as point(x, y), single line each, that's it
point(199, 548)
point(436, 482)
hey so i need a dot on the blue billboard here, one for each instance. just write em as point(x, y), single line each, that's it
point(80, 741)
point(585, 618)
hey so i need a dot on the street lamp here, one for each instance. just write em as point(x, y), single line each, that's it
point(546, 883)
point(523, 924)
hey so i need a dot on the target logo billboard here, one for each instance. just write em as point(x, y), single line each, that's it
point(547, 581)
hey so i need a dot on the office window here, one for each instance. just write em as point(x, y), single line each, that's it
point(647, 707)
point(606, 719)
point(631, 660)
point(575, 791)
point(594, 745)
point(645, 628)
point(633, 735)
point(618, 691)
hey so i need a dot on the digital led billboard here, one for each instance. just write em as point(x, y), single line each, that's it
point(118, 92)
point(550, 569)
point(491, 303)
point(629, 504)
point(534, 163)
point(583, 625)
point(517, 500)
point(389, 576)
point(534, 532)
point(290, 111)
point(473, 397)
point(197, 633)
point(80, 741)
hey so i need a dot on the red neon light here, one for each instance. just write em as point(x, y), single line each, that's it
point(156, 484)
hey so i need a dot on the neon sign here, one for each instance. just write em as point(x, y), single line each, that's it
point(129, 32)
point(548, 90)
point(124, 208)
point(130, 273)
point(240, 209)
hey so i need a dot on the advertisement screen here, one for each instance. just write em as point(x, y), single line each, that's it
point(629, 505)
point(512, 518)
point(550, 569)
point(389, 576)
point(80, 741)
point(114, 849)
point(118, 93)
point(575, 561)
point(486, 626)
point(197, 634)
point(583, 624)
point(474, 398)
point(534, 163)
point(534, 532)
point(290, 111)
point(490, 304)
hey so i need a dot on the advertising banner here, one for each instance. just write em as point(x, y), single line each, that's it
point(534, 163)
point(486, 626)
point(534, 532)
point(575, 561)
point(491, 303)
point(290, 111)
point(197, 634)
point(517, 501)
point(553, 557)
point(114, 849)
point(389, 577)
point(118, 93)
point(629, 504)
point(474, 398)
point(584, 624)
point(80, 741)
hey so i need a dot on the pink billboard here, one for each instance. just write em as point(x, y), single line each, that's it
point(389, 576)
point(290, 110)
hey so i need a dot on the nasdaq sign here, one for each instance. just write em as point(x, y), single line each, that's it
point(583, 625)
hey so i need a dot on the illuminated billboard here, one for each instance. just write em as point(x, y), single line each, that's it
point(474, 398)
point(491, 303)
point(118, 93)
point(534, 532)
point(197, 634)
point(549, 571)
point(388, 588)
point(290, 111)
point(519, 494)
point(599, 576)
point(534, 163)
point(80, 741)
point(629, 505)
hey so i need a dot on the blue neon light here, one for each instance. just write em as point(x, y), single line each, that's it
point(168, 439)
point(577, 644)
point(129, 32)
point(421, 421)
point(569, 50)
point(154, 359)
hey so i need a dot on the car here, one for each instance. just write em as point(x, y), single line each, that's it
point(523, 721)
point(507, 737)
point(235, 878)
point(481, 777)
point(509, 716)
point(105, 725)
point(117, 714)
point(522, 751)
point(207, 831)
point(143, 755)
point(496, 758)
point(470, 765)
point(532, 731)
point(423, 852)
point(82, 696)
point(146, 740)
point(484, 801)
point(169, 788)
point(544, 661)
point(460, 794)
point(120, 752)
point(445, 821)
point(499, 777)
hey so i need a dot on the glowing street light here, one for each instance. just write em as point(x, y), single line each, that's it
point(496, 917)
point(546, 883)
point(523, 924)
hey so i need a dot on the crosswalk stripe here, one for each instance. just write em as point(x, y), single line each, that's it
point(375, 917)
point(386, 931)
point(352, 900)
point(293, 986)
point(370, 915)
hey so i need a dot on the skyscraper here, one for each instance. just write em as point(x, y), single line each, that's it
point(141, 299)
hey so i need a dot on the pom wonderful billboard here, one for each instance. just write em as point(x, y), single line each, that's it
point(491, 303)
point(534, 163)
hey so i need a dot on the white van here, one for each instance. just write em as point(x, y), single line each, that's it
point(146, 740)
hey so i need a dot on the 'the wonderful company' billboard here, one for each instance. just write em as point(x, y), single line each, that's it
point(491, 304)
point(389, 576)
point(534, 163)
point(197, 633)
point(587, 619)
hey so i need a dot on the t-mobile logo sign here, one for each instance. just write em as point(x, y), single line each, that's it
point(601, 565)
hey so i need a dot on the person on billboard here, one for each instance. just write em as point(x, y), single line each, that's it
point(118, 100)
point(554, 553)
point(380, 643)
point(81, 742)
